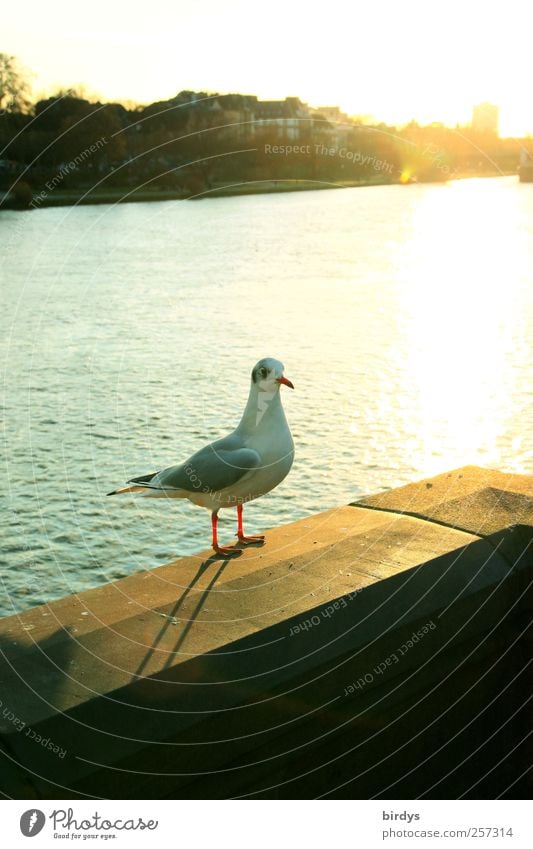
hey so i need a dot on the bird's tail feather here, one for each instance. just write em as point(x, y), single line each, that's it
point(140, 485)
point(128, 489)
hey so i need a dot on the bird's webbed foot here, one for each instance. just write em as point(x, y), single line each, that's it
point(258, 540)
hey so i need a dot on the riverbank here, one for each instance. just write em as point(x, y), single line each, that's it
point(87, 196)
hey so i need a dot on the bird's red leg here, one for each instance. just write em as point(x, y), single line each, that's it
point(227, 552)
point(240, 530)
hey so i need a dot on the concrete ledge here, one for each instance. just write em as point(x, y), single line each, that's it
point(479, 501)
point(263, 676)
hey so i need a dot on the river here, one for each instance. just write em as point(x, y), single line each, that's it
point(403, 315)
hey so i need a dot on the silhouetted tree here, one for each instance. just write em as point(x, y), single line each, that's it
point(14, 86)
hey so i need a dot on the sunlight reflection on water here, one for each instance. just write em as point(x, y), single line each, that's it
point(467, 320)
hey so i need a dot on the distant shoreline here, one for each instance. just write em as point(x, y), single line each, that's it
point(85, 197)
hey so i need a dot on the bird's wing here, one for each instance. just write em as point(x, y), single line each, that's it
point(212, 469)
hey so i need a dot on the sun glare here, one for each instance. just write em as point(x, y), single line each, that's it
point(461, 317)
point(406, 67)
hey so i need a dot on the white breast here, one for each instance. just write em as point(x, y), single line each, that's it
point(271, 438)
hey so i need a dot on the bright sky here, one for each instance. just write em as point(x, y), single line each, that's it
point(393, 60)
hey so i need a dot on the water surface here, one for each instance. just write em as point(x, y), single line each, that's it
point(404, 317)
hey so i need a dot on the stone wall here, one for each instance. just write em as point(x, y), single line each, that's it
point(374, 650)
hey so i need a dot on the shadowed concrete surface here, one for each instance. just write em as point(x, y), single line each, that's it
point(380, 649)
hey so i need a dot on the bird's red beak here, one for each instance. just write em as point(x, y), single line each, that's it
point(286, 381)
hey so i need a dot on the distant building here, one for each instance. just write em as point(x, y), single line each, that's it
point(485, 118)
point(332, 114)
point(290, 117)
point(244, 116)
point(332, 126)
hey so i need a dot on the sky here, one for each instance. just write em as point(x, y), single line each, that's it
point(394, 61)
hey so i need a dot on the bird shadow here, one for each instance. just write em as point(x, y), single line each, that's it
point(216, 558)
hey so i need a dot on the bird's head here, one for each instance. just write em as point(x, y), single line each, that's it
point(267, 375)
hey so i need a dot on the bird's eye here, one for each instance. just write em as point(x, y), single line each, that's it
point(263, 373)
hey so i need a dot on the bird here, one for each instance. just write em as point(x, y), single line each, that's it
point(240, 467)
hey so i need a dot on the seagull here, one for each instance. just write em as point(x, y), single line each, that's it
point(249, 462)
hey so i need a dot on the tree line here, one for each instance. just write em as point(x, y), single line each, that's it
point(199, 142)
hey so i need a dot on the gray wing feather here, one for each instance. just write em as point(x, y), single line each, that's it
point(212, 469)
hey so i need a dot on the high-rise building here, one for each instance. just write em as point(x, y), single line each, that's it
point(485, 118)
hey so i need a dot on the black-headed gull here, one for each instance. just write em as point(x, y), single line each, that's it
point(240, 467)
